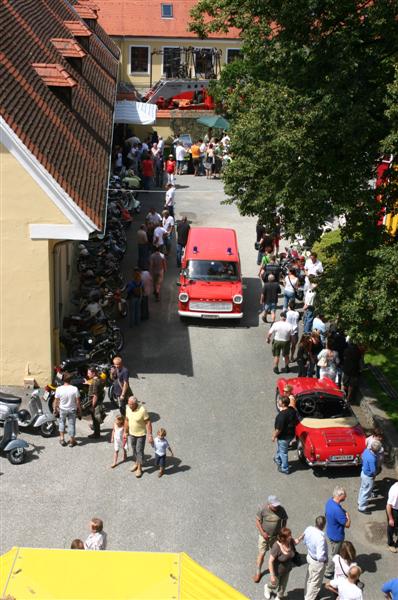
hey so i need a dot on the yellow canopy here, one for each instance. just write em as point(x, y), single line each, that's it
point(42, 574)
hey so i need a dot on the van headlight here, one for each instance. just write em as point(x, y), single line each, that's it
point(237, 299)
point(183, 297)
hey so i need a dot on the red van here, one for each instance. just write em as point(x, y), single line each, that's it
point(210, 279)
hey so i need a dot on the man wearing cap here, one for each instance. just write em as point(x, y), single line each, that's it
point(269, 521)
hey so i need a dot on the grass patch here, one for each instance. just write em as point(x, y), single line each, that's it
point(388, 363)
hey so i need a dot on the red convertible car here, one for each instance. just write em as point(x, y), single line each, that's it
point(328, 433)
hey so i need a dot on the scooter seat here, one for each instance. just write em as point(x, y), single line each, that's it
point(9, 398)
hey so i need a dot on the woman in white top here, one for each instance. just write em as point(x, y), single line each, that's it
point(291, 284)
point(328, 360)
point(343, 561)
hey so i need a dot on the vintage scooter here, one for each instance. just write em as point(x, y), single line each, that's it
point(33, 418)
point(15, 448)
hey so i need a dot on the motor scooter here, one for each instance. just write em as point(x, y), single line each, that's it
point(15, 448)
point(33, 418)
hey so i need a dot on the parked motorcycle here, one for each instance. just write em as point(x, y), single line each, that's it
point(9, 442)
point(33, 418)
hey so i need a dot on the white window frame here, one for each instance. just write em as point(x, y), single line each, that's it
point(226, 54)
point(148, 63)
point(163, 48)
point(161, 10)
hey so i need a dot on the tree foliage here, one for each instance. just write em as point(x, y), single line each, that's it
point(307, 103)
point(312, 105)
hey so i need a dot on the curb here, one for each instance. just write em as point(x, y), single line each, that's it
point(380, 419)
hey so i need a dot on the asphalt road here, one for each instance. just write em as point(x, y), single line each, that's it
point(211, 386)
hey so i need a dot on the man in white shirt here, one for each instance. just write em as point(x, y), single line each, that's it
point(67, 404)
point(170, 199)
point(180, 157)
point(282, 331)
point(347, 588)
point(312, 266)
point(293, 317)
point(317, 557)
point(159, 237)
point(392, 516)
point(168, 225)
point(309, 300)
point(153, 217)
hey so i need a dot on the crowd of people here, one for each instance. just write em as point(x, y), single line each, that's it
point(131, 428)
point(329, 555)
point(323, 349)
point(147, 164)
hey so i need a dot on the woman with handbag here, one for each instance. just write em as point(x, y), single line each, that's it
point(281, 561)
point(328, 360)
point(291, 285)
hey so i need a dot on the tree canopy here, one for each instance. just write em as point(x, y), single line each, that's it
point(313, 105)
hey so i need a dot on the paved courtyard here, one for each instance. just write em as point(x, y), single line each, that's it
point(211, 386)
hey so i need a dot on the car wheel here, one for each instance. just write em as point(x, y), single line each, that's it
point(277, 396)
point(300, 452)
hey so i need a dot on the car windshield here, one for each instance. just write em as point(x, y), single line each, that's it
point(322, 406)
point(212, 270)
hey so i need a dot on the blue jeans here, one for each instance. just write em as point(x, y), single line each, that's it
point(286, 297)
point(365, 491)
point(69, 415)
point(281, 456)
point(180, 250)
point(135, 310)
point(308, 319)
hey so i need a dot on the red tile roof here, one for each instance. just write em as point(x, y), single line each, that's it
point(73, 144)
point(54, 75)
point(77, 28)
point(68, 48)
point(142, 18)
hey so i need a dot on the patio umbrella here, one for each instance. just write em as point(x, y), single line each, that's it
point(216, 121)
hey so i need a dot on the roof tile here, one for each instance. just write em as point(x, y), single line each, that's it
point(73, 144)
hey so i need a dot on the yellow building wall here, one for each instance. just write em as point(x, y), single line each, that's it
point(142, 81)
point(26, 277)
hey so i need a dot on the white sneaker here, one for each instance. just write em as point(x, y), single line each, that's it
point(267, 593)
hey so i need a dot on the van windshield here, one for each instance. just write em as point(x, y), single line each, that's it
point(212, 270)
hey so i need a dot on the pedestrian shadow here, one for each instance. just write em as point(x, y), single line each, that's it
point(367, 562)
point(173, 466)
point(296, 594)
point(154, 417)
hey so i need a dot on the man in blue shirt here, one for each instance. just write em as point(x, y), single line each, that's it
point(337, 520)
point(368, 474)
point(390, 589)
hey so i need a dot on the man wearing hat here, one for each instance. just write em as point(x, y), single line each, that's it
point(269, 521)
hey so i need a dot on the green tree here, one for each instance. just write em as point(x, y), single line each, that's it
point(312, 105)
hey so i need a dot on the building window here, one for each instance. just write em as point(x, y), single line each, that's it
point(139, 59)
point(233, 54)
point(167, 11)
point(204, 62)
point(171, 62)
